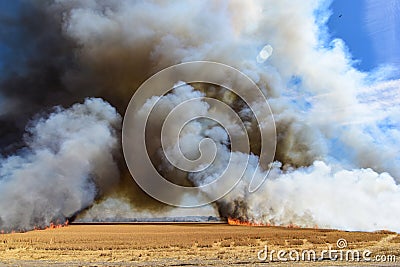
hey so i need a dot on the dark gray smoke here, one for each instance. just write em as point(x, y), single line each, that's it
point(45, 67)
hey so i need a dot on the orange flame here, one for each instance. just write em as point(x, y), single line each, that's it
point(57, 225)
point(233, 221)
point(52, 225)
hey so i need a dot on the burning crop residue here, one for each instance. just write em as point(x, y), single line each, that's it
point(233, 221)
point(239, 222)
point(52, 225)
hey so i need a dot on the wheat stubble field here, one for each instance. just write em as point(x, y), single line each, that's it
point(177, 245)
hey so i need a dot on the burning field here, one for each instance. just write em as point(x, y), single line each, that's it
point(249, 112)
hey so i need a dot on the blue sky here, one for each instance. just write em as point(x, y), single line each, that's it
point(348, 23)
point(370, 28)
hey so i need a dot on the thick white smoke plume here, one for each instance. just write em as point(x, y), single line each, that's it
point(68, 161)
point(323, 194)
point(337, 162)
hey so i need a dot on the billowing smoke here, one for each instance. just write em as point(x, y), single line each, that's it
point(323, 194)
point(69, 160)
point(337, 161)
